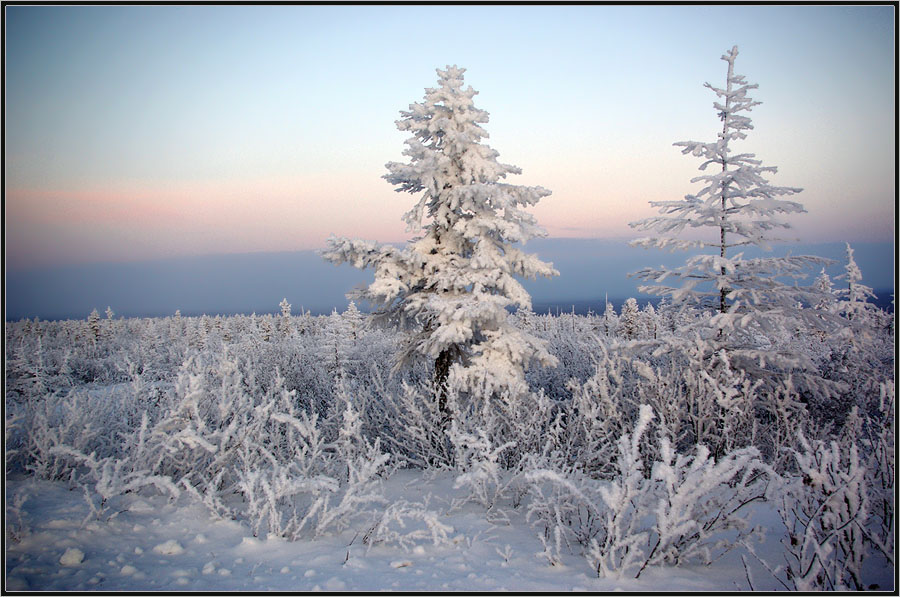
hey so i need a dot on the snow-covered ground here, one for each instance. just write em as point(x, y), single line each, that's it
point(198, 409)
point(150, 543)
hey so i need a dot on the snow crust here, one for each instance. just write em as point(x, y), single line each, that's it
point(154, 544)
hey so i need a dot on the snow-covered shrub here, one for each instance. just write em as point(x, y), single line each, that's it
point(266, 448)
point(74, 419)
point(575, 344)
point(825, 510)
point(701, 499)
point(702, 398)
point(213, 427)
point(839, 508)
point(690, 507)
point(364, 462)
point(16, 527)
point(478, 446)
point(696, 395)
point(878, 441)
point(599, 516)
point(622, 538)
point(391, 526)
point(261, 428)
point(597, 413)
point(110, 476)
point(320, 488)
point(413, 428)
point(561, 502)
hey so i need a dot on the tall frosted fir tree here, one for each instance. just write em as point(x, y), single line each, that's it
point(450, 285)
point(736, 207)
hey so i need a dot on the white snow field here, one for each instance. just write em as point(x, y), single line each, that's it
point(160, 457)
point(149, 543)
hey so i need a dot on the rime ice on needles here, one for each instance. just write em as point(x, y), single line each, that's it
point(452, 284)
point(737, 207)
point(738, 200)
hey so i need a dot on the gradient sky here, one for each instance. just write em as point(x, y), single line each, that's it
point(142, 132)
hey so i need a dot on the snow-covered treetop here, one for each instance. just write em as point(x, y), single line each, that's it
point(737, 200)
point(855, 297)
point(458, 173)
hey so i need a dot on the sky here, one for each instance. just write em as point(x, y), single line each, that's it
point(147, 132)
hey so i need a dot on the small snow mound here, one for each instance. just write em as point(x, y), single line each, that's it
point(127, 570)
point(141, 507)
point(400, 564)
point(169, 548)
point(72, 557)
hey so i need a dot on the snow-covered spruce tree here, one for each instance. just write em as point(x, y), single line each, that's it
point(93, 322)
point(610, 320)
point(451, 285)
point(737, 207)
point(824, 285)
point(650, 322)
point(854, 303)
point(284, 323)
point(628, 320)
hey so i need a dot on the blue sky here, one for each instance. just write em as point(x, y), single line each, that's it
point(139, 133)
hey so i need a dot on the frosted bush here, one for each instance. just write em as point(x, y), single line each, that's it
point(393, 526)
point(477, 455)
point(256, 426)
point(682, 512)
point(622, 539)
point(825, 510)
